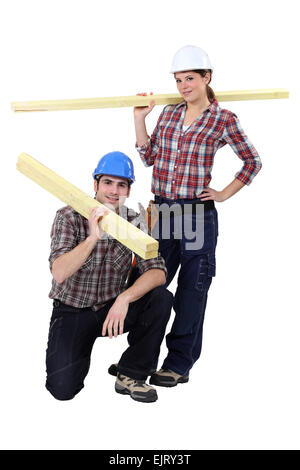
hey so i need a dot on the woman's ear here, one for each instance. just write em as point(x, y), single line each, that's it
point(207, 78)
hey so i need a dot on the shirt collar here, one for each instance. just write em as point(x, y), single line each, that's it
point(213, 107)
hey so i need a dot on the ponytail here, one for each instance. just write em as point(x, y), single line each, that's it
point(209, 91)
point(210, 94)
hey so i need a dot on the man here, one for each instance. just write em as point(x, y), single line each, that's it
point(91, 296)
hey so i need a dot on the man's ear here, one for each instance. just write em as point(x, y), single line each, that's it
point(95, 186)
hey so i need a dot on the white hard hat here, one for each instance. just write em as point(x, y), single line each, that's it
point(190, 58)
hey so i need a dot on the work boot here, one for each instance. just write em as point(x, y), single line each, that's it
point(137, 389)
point(167, 378)
point(113, 370)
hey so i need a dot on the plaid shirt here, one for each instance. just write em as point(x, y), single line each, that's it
point(104, 274)
point(183, 160)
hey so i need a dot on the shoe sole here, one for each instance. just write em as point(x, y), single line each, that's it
point(161, 383)
point(125, 391)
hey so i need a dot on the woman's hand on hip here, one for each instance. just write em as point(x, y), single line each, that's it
point(209, 194)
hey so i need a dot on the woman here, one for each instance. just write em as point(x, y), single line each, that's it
point(182, 149)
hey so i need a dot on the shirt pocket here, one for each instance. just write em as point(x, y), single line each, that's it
point(169, 133)
point(120, 258)
point(88, 264)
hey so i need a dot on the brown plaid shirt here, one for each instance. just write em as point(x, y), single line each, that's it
point(104, 274)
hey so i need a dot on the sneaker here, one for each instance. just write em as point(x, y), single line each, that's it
point(113, 370)
point(167, 378)
point(137, 389)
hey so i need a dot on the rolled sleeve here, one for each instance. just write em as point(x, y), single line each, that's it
point(243, 148)
point(143, 148)
point(63, 238)
point(144, 265)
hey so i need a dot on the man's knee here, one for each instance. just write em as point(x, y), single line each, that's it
point(66, 383)
point(62, 390)
point(162, 296)
point(61, 394)
point(161, 303)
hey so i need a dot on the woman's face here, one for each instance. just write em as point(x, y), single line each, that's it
point(191, 85)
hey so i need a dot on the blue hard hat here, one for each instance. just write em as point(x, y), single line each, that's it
point(115, 164)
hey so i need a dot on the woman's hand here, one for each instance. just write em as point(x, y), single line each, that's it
point(209, 194)
point(140, 112)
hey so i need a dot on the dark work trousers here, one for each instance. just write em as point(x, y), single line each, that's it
point(73, 332)
point(197, 267)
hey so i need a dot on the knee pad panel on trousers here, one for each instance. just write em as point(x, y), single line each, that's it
point(64, 384)
point(188, 311)
point(191, 294)
point(196, 271)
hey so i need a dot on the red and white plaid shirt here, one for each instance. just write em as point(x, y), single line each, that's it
point(104, 274)
point(183, 160)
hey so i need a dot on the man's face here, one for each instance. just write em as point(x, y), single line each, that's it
point(112, 191)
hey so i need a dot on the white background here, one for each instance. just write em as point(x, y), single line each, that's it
point(244, 391)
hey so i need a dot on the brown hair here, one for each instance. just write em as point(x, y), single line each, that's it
point(98, 177)
point(210, 92)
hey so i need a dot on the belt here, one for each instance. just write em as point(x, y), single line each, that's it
point(208, 205)
point(69, 308)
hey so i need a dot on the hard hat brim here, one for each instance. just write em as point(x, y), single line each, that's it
point(191, 69)
point(131, 180)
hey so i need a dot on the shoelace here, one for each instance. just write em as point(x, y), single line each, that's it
point(140, 383)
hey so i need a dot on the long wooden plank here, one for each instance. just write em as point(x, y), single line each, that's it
point(126, 101)
point(126, 233)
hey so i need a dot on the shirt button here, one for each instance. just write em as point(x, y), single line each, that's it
point(178, 150)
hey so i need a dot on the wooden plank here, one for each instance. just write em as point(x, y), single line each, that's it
point(127, 101)
point(247, 95)
point(126, 233)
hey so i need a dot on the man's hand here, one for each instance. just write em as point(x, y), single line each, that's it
point(96, 214)
point(114, 322)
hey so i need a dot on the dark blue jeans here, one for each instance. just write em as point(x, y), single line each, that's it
point(73, 332)
point(197, 267)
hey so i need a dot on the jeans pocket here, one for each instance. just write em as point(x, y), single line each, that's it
point(54, 334)
point(211, 260)
point(206, 270)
